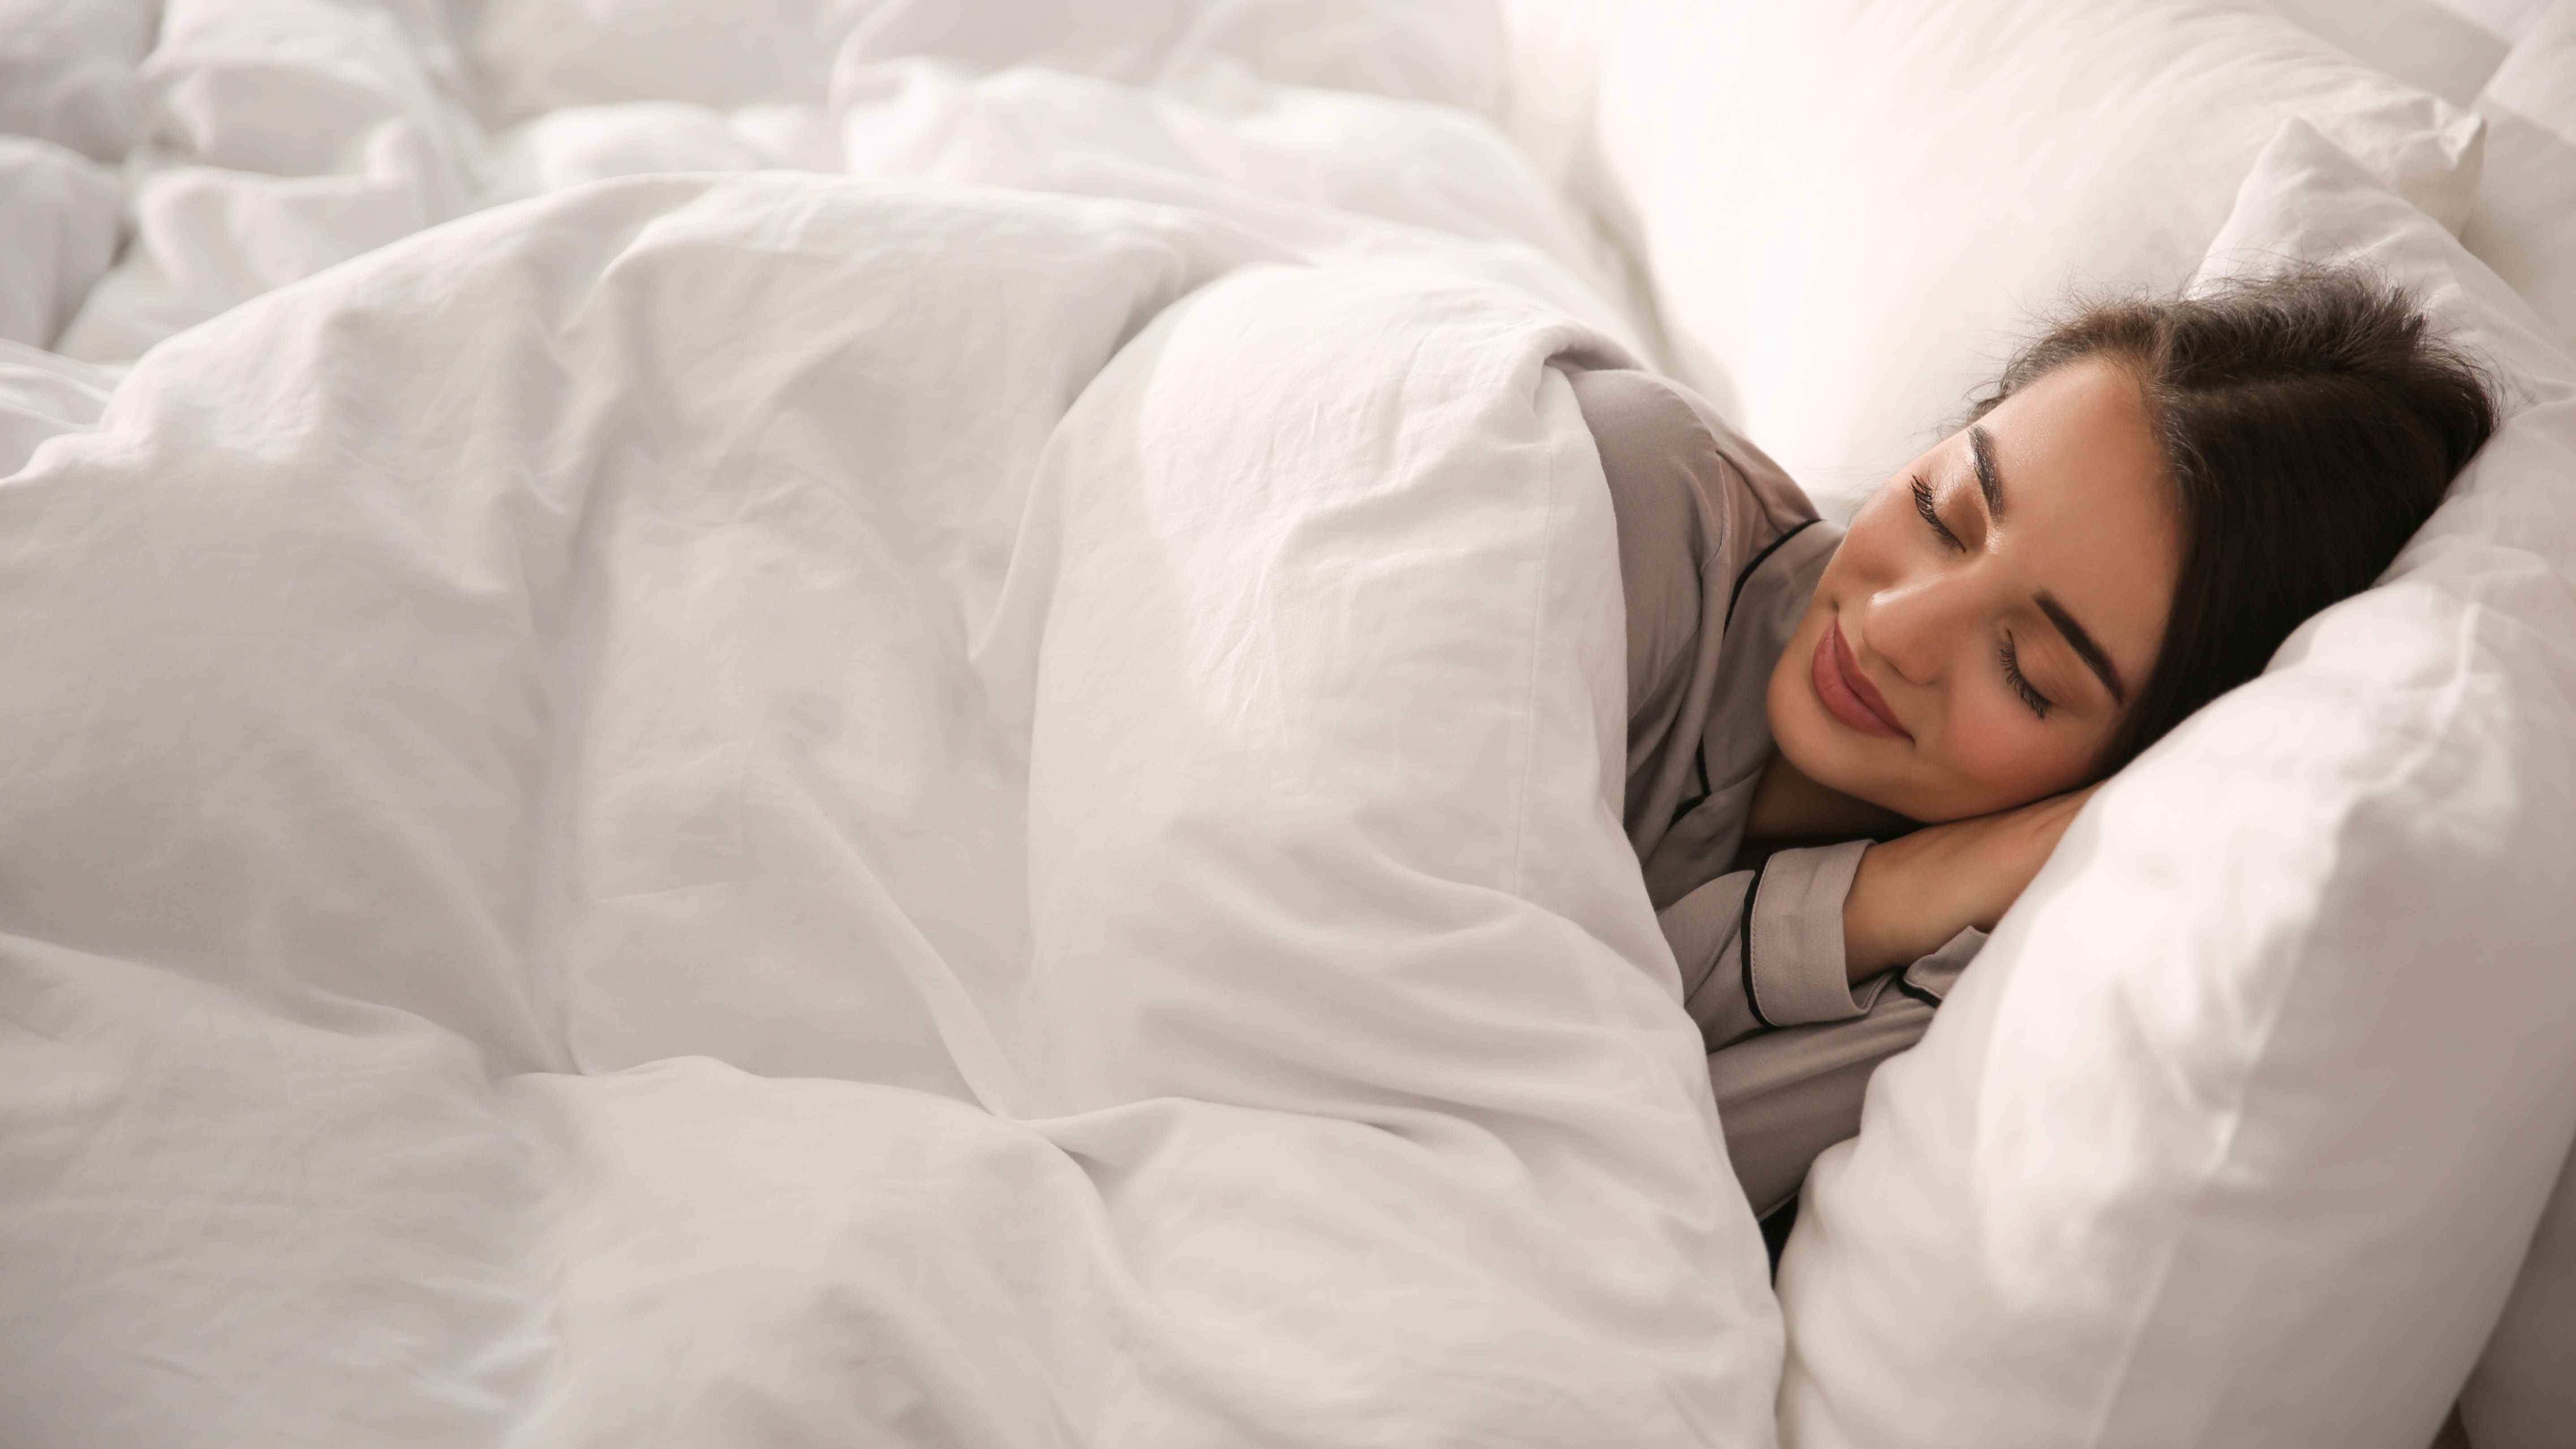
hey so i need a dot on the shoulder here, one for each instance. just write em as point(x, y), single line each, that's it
point(1674, 465)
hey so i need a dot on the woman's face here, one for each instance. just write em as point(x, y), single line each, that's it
point(1978, 637)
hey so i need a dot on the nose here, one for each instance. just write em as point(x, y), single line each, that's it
point(1915, 624)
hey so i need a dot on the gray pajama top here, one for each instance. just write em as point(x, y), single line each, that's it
point(1719, 554)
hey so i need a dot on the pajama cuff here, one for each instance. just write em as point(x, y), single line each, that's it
point(1793, 946)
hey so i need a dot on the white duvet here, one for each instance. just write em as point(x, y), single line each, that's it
point(792, 810)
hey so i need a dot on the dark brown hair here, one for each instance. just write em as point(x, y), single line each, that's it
point(2309, 421)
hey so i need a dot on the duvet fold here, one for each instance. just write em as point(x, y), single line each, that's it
point(780, 810)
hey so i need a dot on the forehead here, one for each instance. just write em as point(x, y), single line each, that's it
point(2089, 514)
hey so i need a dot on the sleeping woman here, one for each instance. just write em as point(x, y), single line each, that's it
point(1850, 749)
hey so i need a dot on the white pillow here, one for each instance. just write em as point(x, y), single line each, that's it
point(1851, 210)
point(2235, 1132)
point(1552, 54)
point(2525, 222)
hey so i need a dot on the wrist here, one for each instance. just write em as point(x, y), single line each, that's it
point(1869, 946)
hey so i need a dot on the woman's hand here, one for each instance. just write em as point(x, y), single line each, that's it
point(1913, 893)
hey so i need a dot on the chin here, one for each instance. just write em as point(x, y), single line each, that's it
point(1821, 747)
point(1876, 772)
point(1831, 770)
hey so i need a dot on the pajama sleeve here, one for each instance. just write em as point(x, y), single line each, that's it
point(1763, 948)
point(1791, 1041)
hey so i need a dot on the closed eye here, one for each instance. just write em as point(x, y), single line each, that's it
point(1932, 516)
point(2039, 703)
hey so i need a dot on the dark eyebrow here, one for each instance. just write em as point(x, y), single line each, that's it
point(2084, 647)
point(1981, 450)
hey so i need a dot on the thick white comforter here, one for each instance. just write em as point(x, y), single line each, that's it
point(781, 810)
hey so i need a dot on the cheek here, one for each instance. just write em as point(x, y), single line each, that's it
point(2002, 755)
point(1785, 702)
point(1827, 752)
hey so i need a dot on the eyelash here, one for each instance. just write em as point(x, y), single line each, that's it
point(2010, 656)
point(1932, 515)
point(2039, 703)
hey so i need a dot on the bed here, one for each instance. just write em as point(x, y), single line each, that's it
point(889, 722)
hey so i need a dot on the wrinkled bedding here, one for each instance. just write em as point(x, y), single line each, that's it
point(971, 803)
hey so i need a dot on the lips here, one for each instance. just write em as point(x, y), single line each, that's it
point(1845, 693)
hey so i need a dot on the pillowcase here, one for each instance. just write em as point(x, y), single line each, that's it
point(1852, 210)
point(2448, 47)
point(2525, 222)
point(2236, 1131)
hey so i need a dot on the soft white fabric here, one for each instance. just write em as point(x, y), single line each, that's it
point(1853, 210)
point(1553, 52)
point(67, 72)
point(534, 56)
point(791, 811)
point(2448, 47)
point(293, 135)
point(1444, 52)
point(302, 133)
point(2236, 1131)
point(1552, 56)
point(58, 219)
point(2521, 1396)
point(593, 641)
point(605, 790)
point(2512, 19)
point(44, 395)
point(779, 812)
point(2525, 222)
point(593, 143)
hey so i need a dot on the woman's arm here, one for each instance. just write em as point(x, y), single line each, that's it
point(1913, 893)
point(1784, 944)
point(1783, 948)
point(1763, 948)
